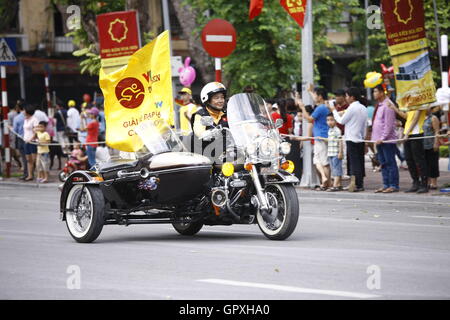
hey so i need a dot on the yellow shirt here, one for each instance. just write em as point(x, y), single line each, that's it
point(185, 124)
point(418, 128)
point(43, 137)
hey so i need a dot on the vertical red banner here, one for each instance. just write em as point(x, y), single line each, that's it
point(119, 37)
point(296, 9)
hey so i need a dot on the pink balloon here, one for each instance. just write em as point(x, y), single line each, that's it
point(187, 73)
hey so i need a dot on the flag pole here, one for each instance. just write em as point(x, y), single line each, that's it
point(309, 176)
point(166, 21)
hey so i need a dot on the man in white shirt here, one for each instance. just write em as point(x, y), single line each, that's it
point(40, 115)
point(355, 121)
point(73, 121)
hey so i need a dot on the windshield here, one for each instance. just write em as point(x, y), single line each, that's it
point(157, 137)
point(248, 118)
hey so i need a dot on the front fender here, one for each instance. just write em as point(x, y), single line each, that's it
point(77, 177)
point(281, 177)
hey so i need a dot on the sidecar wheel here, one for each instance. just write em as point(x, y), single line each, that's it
point(86, 223)
point(281, 222)
point(188, 229)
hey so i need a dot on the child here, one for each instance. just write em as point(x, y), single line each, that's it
point(77, 156)
point(43, 156)
point(335, 153)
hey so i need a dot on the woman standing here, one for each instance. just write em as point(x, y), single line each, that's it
point(431, 146)
point(28, 134)
point(281, 113)
point(92, 130)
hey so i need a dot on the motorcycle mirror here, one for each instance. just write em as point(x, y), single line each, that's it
point(207, 121)
point(279, 123)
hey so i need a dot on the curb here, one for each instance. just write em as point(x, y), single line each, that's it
point(28, 184)
point(370, 195)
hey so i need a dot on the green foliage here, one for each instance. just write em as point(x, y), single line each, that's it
point(443, 151)
point(268, 50)
point(378, 46)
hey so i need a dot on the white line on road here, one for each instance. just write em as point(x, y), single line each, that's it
point(218, 38)
point(345, 294)
point(386, 201)
point(429, 217)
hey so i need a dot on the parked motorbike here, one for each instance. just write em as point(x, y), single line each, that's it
point(247, 182)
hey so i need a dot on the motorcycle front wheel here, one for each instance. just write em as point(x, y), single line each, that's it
point(85, 214)
point(282, 219)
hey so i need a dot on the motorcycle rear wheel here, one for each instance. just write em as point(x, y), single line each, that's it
point(285, 215)
point(188, 229)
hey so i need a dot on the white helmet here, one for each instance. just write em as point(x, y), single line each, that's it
point(210, 89)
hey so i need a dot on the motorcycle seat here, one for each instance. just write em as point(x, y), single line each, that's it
point(116, 165)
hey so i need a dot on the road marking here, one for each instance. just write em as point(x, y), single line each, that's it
point(346, 294)
point(386, 201)
point(363, 220)
point(218, 38)
point(429, 217)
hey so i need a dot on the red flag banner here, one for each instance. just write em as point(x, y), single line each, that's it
point(296, 8)
point(404, 21)
point(405, 25)
point(118, 34)
point(255, 8)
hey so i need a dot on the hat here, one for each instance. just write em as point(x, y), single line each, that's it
point(93, 111)
point(186, 90)
point(71, 103)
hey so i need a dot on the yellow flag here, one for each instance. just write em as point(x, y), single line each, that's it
point(140, 91)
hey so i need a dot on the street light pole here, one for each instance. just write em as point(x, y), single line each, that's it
point(309, 176)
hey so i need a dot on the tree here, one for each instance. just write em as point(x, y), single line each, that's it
point(267, 55)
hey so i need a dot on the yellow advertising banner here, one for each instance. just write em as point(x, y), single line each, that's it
point(140, 91)
point(414, 80)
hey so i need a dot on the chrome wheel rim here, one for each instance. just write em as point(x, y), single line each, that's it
point(277, 216)
point(79, 218)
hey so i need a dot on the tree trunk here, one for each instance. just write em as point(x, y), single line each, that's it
point(187, 17)
point(144, 18)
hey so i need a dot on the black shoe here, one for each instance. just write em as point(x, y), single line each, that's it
point(422, 190)
point(359, 189)
point(414, 188)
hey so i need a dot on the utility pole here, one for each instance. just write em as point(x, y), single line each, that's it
point(368, 93)
point(166, 21)
point(309, 176)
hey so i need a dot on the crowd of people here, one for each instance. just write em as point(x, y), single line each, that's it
point(343, 128)
point(37, 136)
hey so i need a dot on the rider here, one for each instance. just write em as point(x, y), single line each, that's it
point(213, 97)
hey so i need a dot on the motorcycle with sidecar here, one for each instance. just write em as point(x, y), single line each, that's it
point(248, 181)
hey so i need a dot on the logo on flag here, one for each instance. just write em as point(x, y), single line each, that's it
point(140, 91)
point(130, 92)
point(118, 30)
point(403, 10)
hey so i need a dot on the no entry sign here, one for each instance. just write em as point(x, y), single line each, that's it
point(219, 38)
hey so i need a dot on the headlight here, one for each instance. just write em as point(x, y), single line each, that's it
point(227, 169)
point(268, 147)
point(285, 147)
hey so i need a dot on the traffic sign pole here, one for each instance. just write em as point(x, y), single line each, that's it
point(5, 122)
point(218, 70)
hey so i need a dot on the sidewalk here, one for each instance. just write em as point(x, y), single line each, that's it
point(373, 181)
